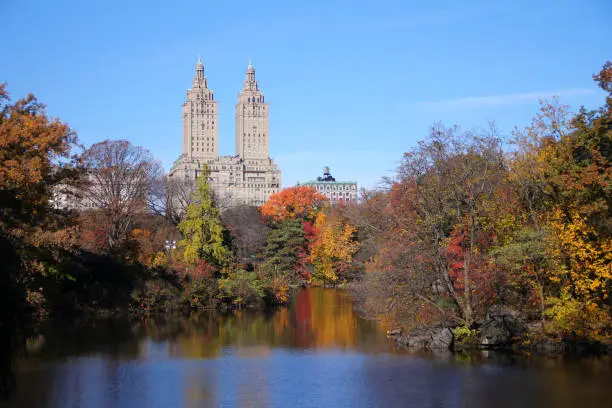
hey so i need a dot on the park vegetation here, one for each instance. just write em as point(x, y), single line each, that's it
point(467, 223)
point(466, 226)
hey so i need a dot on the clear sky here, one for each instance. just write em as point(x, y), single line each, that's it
point(351, 84)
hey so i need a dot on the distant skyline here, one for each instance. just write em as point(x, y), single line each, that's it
point(351, 85)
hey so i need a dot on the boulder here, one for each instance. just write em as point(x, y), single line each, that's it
point(430, 338)
point(442, 338)
point(501, 328)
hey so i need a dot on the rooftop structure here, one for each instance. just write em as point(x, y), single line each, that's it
point(335, 191)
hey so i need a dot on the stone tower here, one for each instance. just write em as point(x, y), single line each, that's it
point(200, 131)
point(251, 120)
point(248, 177)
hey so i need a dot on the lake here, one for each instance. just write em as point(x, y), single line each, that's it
point(317, 352)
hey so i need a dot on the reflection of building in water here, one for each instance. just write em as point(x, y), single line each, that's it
point(250, 176)
point(335, 191)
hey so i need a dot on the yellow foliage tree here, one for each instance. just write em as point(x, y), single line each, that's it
point(334, 246)
point(583, 271)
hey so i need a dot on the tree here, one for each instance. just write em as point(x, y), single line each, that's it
point(203, 232)
point(119, 178)
point(169, 197)
point(335, 244)
point(248, 231)
point(450, 185)
point(562, 173)
point(285, 249)
point(300, 203)
point(285, 256)
point(35, 158)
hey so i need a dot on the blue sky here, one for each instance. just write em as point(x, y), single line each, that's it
point(351, 84)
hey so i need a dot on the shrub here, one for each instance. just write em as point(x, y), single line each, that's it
point(156, 296)
point(201, 293)
point(242, 288)
point(464, 335)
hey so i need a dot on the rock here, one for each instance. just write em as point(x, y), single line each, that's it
point(418, 339)
point(394, 332)
point(441, 339)
point(501, 328)
point(431, 338)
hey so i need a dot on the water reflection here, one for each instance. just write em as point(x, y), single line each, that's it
point(315, 353)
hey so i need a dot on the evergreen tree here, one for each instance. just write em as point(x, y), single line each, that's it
point(203, 232)
point(285, 248)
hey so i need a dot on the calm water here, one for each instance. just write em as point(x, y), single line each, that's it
point(316, 353)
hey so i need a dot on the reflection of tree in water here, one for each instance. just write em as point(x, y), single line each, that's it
point(132, 364)
point(9, 316)
point(7, 339)
point(316, 318)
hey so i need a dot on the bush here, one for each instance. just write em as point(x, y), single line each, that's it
point(277, 283)
point(242, 288)
point(156, 296)
point(201, 293)
point(464, 335)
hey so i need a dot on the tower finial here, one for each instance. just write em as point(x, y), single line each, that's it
point(250, 70)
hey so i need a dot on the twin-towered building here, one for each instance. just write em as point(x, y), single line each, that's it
point(250, 176)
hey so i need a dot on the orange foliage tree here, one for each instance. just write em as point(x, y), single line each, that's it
point(35, 156)
point(35, 159)
point(301, 203)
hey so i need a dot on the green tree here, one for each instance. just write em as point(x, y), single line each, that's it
point(203, 232)
point(285, 255)
point(285, 248)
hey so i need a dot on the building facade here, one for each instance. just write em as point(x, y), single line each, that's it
point(250, 176)
point(335, 191)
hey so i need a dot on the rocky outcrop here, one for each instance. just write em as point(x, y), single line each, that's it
point(431, 338)
point(501, 328)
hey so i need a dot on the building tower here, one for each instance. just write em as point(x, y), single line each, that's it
point(251, 120)
point(200, 131)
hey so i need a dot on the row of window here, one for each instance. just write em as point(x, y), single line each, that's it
point(338, 194)
point(336, 188)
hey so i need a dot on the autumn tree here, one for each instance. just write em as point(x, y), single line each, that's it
point(119, 178)
point(561, 170)
point(202, 229)
point(35, 159)
point(334, 245)
point(451, 180)
point(300, 203)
